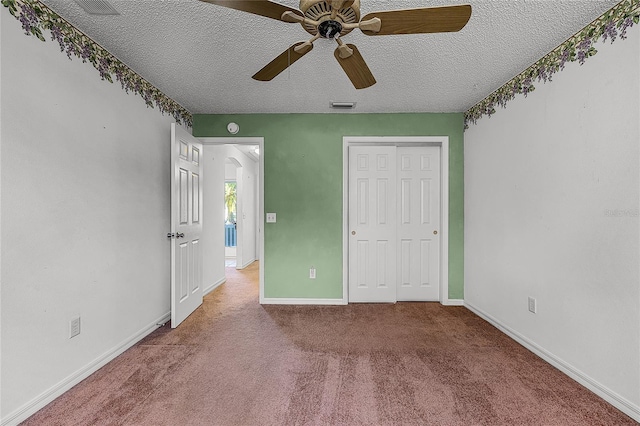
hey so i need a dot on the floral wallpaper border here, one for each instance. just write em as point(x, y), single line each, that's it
point(609, 26)
point(36, 17)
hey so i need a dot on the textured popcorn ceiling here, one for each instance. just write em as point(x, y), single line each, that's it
point(203, 55)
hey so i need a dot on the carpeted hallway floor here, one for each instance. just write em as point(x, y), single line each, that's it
point(234, 362)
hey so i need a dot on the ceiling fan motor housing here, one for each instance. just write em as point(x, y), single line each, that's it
point(320, 11)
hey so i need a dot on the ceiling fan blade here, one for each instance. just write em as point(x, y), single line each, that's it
point(259, 7)
point(421, 21)
point(281, 63)
point(356, 68)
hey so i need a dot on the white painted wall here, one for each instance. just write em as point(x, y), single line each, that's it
point(230, 171)
point(213, 250)
point(85, 211)
point(215, 173)
point(247, 210)
point(544, 179)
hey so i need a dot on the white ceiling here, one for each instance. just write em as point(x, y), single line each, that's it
point(249, 151)
point(203, 55)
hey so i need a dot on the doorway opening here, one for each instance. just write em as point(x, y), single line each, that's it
point(233, 219)
point(230, 222)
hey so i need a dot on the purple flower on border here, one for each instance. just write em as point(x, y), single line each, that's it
point(56, 34)
point(564, 57)
point(86, 52)
point(628, 22)
point(583, 49)
point(28, 18)
point(103, 68)
point(120, 77)
point(527, 86)
point(544, 74)
point(610, 31)
point(72, 49)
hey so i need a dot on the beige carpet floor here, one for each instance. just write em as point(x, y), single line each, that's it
point(234, 362)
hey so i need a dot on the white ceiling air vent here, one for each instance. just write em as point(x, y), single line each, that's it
point(97, 7)
point(343, 105)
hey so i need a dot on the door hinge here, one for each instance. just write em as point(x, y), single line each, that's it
point(171, 235)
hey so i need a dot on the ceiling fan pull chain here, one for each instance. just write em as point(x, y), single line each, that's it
point(289, 62)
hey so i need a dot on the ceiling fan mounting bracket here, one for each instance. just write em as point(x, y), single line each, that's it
point(320, 11)
point(329, 29)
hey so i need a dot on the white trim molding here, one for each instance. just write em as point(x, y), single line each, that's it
point(213, 286)
point(283, 301)
point(443, 142)
point(246, 264)
point(452, 302)
point(73, 379)
point(629, 408)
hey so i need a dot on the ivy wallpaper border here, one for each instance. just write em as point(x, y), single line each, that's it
point(36, 17)
point(611, 25)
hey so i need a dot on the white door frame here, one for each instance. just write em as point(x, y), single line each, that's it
point(250, 141)
point(443, 142)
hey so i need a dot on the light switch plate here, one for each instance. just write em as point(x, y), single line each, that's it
point(271, 218)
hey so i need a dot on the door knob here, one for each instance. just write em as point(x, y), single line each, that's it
point(353, 232)
point(435, 232)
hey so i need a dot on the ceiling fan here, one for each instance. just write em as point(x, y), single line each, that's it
point(333, 19)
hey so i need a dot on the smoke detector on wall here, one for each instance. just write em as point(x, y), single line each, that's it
point(97, 7)
point(233, 128)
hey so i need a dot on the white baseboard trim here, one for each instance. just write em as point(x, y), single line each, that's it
point(64, 385)
point(279, 301)
point(246, 264)
point(213, 286)
point(453, 302)
point(630, 409)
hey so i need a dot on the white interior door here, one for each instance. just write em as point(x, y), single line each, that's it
point(186, 225)
point(372, 224)
point(418, 223)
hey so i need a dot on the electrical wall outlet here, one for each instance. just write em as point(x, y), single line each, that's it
point(533, 305)
point(312, 273)
point(74, 327)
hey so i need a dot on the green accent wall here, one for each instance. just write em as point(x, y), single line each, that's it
point(303, 185)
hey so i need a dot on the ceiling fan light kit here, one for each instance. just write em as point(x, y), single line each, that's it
point(333, 19)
